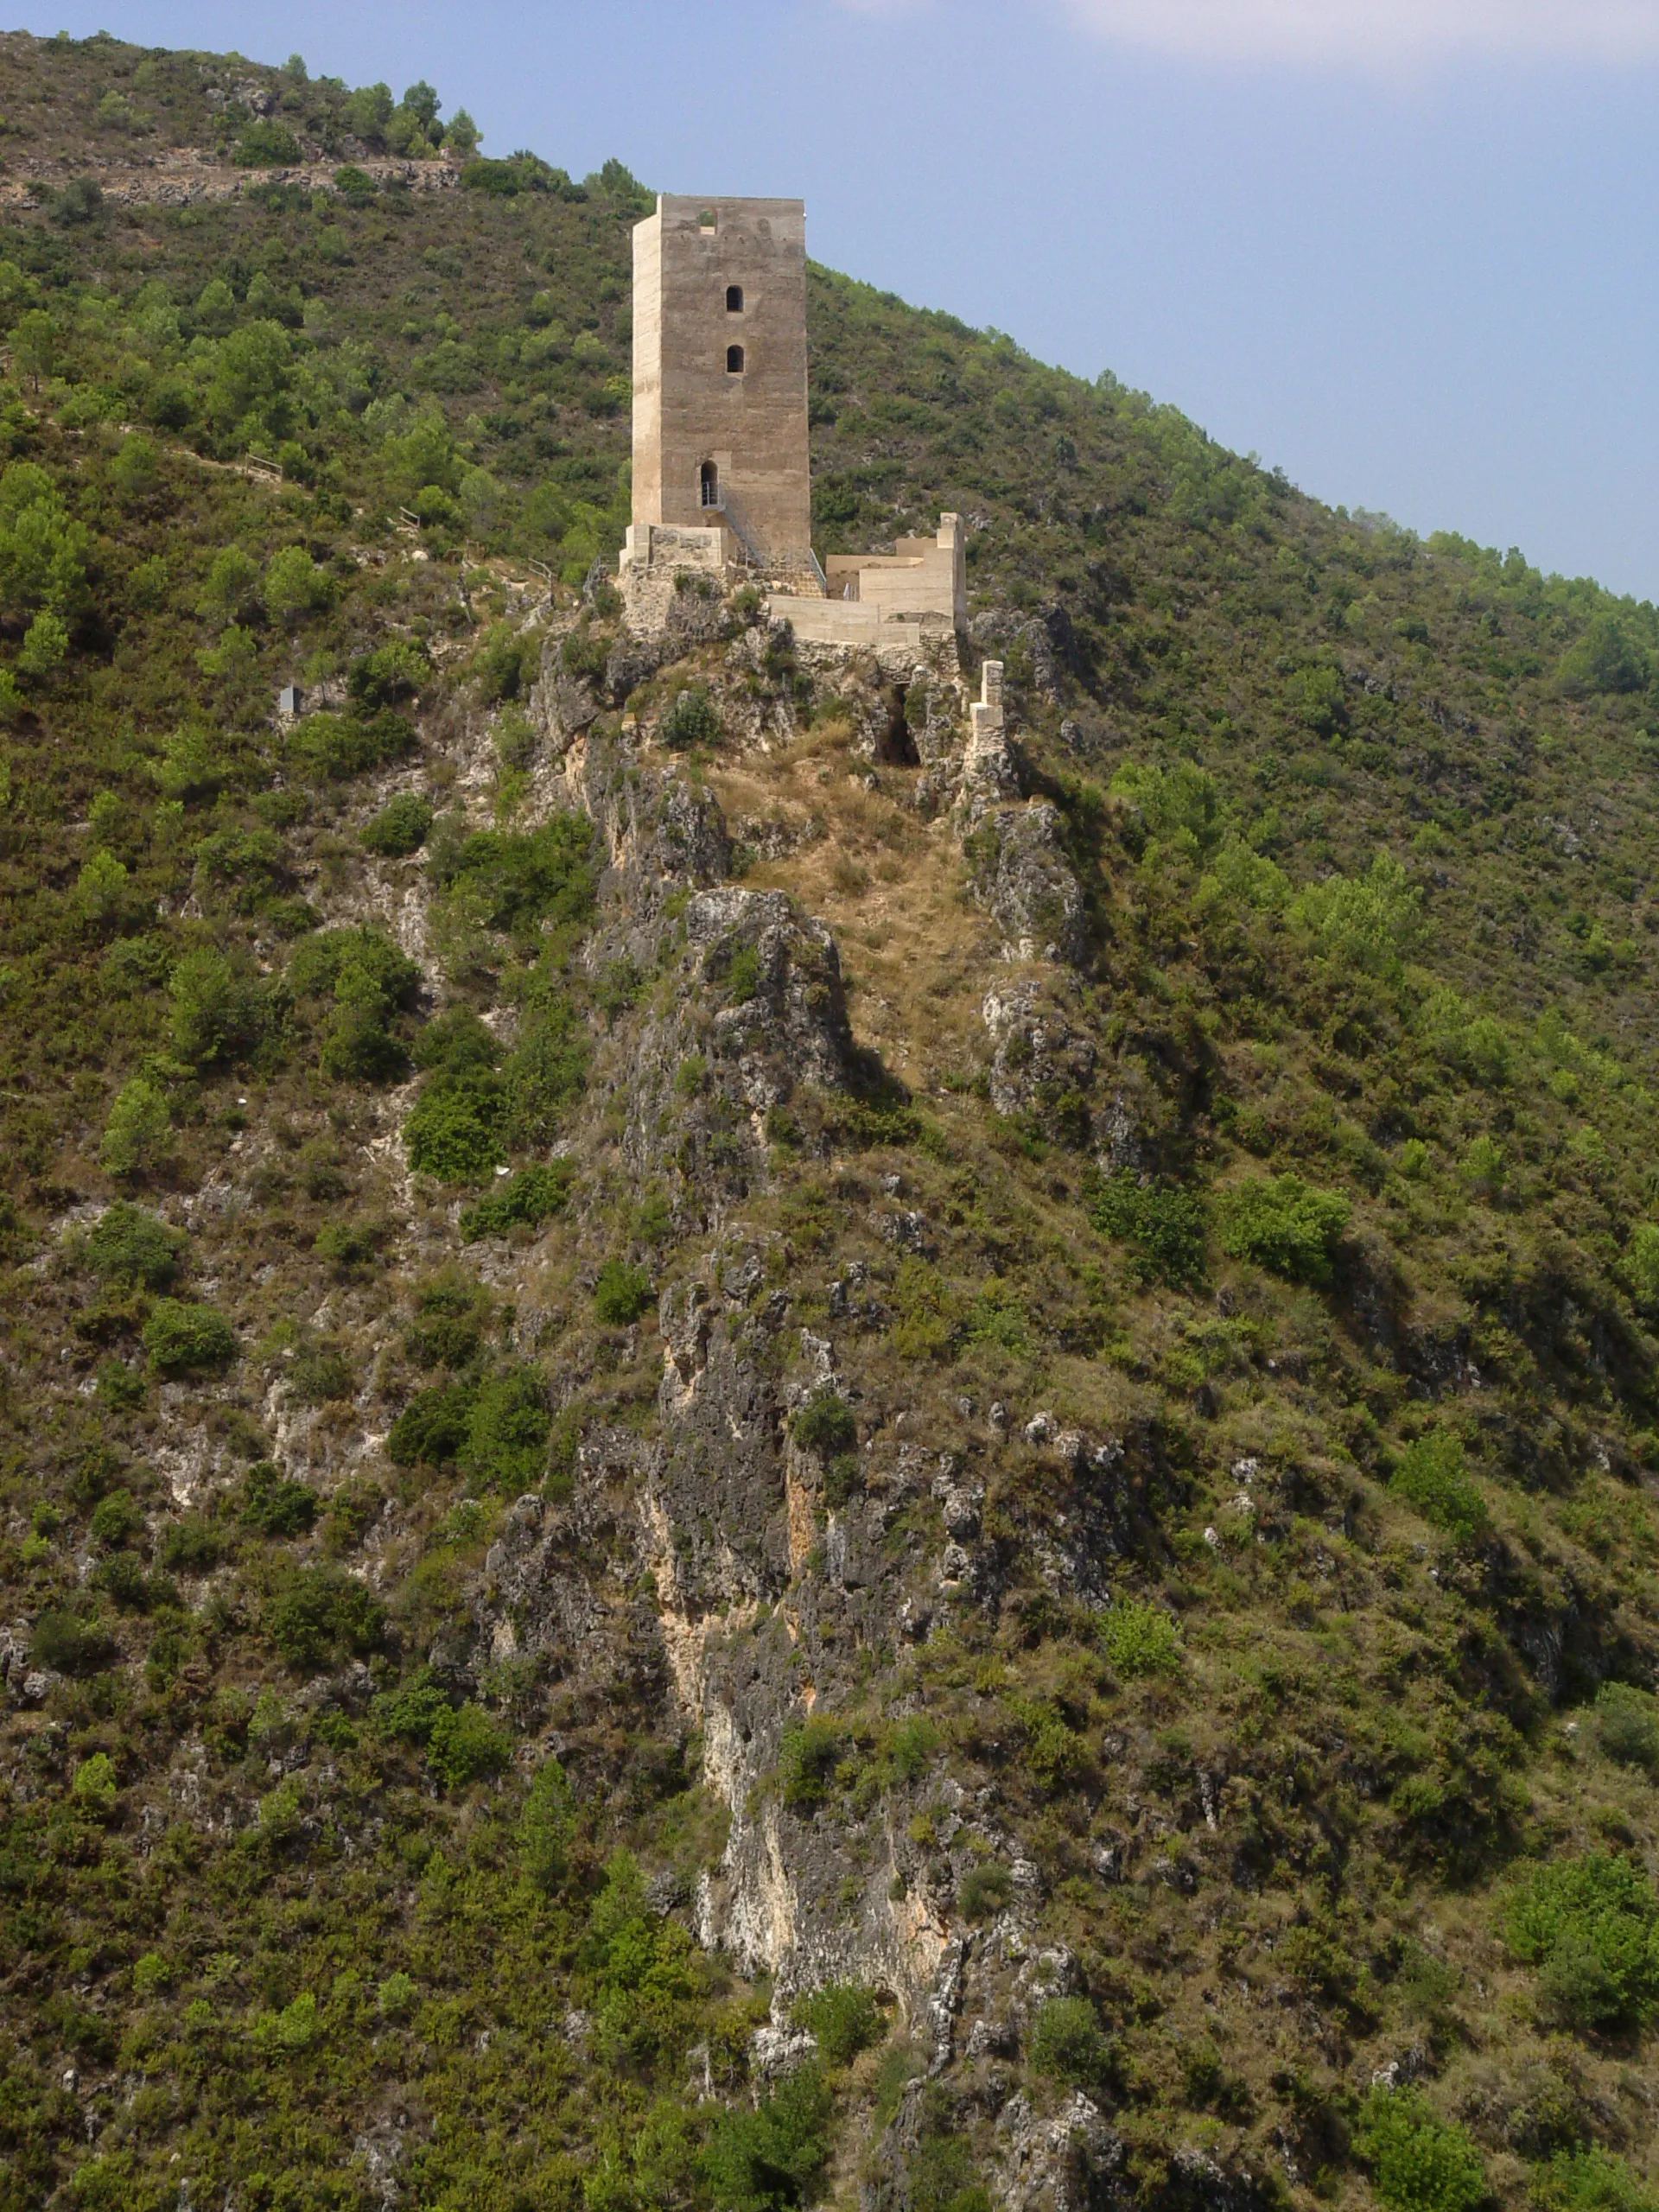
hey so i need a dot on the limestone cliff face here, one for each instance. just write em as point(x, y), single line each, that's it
point(708, 1571)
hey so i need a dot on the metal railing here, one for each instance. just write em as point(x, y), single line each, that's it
point(753, 558)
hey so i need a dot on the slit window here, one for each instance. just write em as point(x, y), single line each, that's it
point(710, 485)
point(733, 299)
point(733, 360)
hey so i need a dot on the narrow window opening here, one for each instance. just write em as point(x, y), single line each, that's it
point(706, 221)
point(710, 485)
point(733, 299)
point(733, 360)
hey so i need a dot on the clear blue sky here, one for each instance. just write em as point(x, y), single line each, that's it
point(1404, 248)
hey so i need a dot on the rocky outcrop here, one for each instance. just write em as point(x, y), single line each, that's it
point(1021, 877)
point(1038, 1057)
point(787, 1018)
point(1069, 2161)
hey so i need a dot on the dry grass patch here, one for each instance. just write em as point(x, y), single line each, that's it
point(887, 884)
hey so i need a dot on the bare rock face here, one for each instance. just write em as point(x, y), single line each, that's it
point(715, 1502)
point(757, 1006)
point(792, 1020)
point(563, 702)
point(1022, 878)
point(1069, 2163)
point(661, 833)
point(1037, 1059)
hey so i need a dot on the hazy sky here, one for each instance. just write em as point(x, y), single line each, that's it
point(1404, 248)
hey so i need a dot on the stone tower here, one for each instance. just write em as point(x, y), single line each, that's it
point(720, 427)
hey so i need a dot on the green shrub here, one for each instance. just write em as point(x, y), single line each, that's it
point(453, 1132)
point(466, 1745)
point(809, 1759)
point(321, 962)
point(295, 586)
point(358, 1043)
point(585, 652)
point(507, 662)
point(1627, 1724)
point(320, 1613)
point(395, 1999)
point(432, 1428)
point(1640, 1267)
point(399, 829)
point(911, 1747)
point(135, 1135)
point(297, 2027)
point(545, 1072)
point(522, 1201)
point(1431, 1476)
point(321, 1375)
point(451, 1315)
point(1283, 1225)
point(1591, 2180)
point(183, 1337)
point(151, 1975)
point(191, 1546)
point(95, 1786)
point(333, 747)
point(843, 1478)
point(393, 671)
point(1370, 922)
point(844, 2018)
point(100, 890)
point(265, 144)
point(769, 2159)
point(272, 1505)
point(1179, 806)
point(117, 1519)
point(128, 1244)
point(241, 869)
point(410, 1713)
point(546, 1827)
point(134, 964)
point(983, 1890)
point(1605, 659)
point(520, 881)
point(355, 186)
point(824, 1425)
point(1069, 2045)
point(690, 719)
point(742, 978)
point(344, 1245)
point(1419, 2163)
point(622, 1292)
point(118, 1386)
point(1141, 1639)
point(133, 1590)
point(220, 1011)
point(1591, 1927)
point(1163, 1224)
point(68, 1644)
point(507, 1428)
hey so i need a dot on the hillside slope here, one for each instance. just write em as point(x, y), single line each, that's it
point(745, 1461)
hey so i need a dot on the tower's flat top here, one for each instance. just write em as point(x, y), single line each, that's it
point(691, 205)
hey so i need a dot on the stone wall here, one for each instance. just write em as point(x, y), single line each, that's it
point(922, 576)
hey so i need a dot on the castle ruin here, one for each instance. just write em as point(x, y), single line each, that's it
point(721, 470)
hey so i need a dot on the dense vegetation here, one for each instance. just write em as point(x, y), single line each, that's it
point(1323, 1205)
